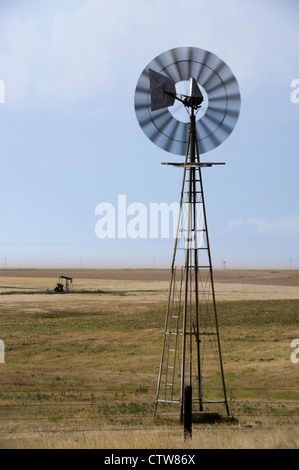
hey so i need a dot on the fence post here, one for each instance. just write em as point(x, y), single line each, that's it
point(187, 412)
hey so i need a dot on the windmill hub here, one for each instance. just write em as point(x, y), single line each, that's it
point(180, 110)
point(195, 97)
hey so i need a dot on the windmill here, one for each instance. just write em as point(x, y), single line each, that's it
point(187, 102)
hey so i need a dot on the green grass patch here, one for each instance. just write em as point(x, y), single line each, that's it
point(104, 363)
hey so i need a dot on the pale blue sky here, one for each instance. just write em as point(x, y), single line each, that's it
point(70, 139)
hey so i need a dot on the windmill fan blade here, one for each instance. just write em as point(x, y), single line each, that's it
point(211, 74)
point(174, 60)
point(173, 134)
point(162, 124)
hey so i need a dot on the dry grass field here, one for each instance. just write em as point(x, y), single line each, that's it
point(81, 368)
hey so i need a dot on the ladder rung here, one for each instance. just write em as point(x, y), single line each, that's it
point(192, 192)
point(168, 401)
point(192, 230)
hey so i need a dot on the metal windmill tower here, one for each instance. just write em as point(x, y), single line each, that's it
point(187, 102)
